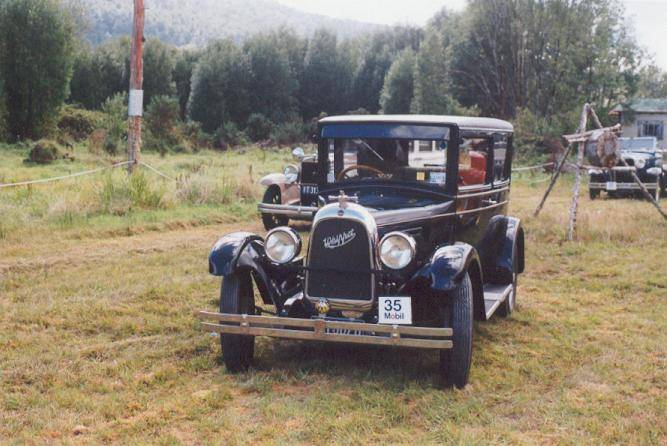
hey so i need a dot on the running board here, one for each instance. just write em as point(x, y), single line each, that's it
point(494, 295)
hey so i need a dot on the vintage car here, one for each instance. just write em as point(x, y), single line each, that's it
point(282, 199)
point(643, 157)
point(398, 255)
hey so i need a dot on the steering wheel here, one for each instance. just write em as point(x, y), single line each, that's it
point(344, 172)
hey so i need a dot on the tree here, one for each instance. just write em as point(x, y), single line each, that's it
point(327, 76)
point(220, 86)
point(159, 65)
point(398, 88)
point(272, 84)
point(546, 56)
point(101, 73)
point(3, 113)
point(186, 61)
point(652, 82)
point(377, 53)
point(433, 90)
point(36, 57)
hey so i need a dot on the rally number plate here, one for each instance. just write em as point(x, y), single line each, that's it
point(612, 186)
point(395, 310)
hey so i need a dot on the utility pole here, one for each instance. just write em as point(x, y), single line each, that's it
point(136, 99)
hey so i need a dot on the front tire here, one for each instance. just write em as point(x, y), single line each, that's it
point(594, 194)
point(237, 297)
point(458, 315)
point(271, 221)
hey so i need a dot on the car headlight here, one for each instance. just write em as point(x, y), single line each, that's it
point(397, 250)
point(655, 171)
point(282, 245)
point(291, 174)
point(640, 163)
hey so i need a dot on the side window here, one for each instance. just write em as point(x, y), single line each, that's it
point(500, 158)
point(650, 128)
point(473, 160)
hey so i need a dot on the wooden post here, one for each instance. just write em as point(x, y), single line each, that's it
point(136, 99)
point(554, 178)
point(642, 187)
point(577, 179)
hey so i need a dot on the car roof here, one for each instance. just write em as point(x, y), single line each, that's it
point(466, 123)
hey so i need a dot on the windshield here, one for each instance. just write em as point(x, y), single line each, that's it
point(361, 159)
point(638, 144)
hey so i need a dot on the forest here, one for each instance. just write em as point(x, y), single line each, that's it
point(533, 62)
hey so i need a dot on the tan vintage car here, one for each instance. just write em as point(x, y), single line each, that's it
point(291, 194)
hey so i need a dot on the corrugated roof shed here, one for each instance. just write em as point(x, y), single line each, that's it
point(643, 105)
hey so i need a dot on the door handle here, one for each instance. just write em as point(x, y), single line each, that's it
point(489, 202)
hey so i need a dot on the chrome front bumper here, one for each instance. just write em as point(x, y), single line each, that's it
point(623, 186)
point(295, 212)
point(327, 330)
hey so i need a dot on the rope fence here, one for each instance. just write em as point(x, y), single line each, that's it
point(529, 168)
point(84, 173)
point(64, 177)
point(167, 177)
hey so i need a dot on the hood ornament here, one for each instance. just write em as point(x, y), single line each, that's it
point(343, 199)
point(322, 307)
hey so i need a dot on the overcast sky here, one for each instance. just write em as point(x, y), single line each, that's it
point(650, 16)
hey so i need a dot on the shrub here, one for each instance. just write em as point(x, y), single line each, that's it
point(259, 127)
point(44, 152)
point(195, 137)
point(115, 122)
point(78, 124)
point(162, 119)
point(229, 135)
point(290, 132)
point(122, 194)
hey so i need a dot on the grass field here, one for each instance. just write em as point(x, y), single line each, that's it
point(99, 344)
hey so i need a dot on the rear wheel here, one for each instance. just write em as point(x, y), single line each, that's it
point(457, 315)
point(237, 297)
point(273, 196)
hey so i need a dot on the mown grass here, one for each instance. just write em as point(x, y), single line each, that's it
point(99, 343)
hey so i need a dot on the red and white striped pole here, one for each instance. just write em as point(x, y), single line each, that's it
point(136, 99)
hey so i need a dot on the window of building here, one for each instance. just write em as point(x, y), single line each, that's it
point(651, 128)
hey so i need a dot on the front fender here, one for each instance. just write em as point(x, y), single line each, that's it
point(272, 179)
point(224, 257)
point(244, 251)
point(448, 266)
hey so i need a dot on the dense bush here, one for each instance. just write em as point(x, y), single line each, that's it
point(44, 152)
point(229, 135)
point(259, 127)
point(161, 123)
point(290, 132)
point(194, 138)
point(77, 123)
point(36, 55)
point(115, 123)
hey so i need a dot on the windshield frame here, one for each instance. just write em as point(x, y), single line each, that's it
point(391, 131)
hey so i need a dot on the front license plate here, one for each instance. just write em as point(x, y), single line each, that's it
point(611, 185)
point(395, 310)
point(347, 332)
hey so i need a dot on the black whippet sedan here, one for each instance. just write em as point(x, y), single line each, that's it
point(410, 242)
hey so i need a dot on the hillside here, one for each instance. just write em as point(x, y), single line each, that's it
point(195, 22)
